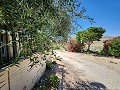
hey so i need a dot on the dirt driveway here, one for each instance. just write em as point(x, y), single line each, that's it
point(87, 72)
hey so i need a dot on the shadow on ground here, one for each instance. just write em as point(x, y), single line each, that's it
point(64, 85)
point(80, 85)
point(89, 86)
point(86, 86)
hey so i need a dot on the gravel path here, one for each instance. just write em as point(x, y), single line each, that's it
point(79, 73)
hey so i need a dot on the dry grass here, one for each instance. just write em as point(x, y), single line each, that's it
point(97, 46)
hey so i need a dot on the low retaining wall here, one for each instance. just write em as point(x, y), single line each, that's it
point(4, 80)
point(21, 77)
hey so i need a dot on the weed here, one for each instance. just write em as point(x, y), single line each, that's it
point(53, 81)
point(54, 62)
point(49, 65)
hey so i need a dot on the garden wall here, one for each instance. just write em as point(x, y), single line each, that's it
point(22, 76)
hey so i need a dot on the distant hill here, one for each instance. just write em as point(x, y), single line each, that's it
point(102, 39)
point(106, 38)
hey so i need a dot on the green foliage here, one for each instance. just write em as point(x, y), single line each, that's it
point(53, 81)
point(102, 53)
point(43, 87)
point(39, 23)
point(54, 62)
point(49, 65)
point(74, 46)
point(90, 35)
point(114, 48)
point(47, 83)
point(56, 47)
point(81, 36)
point(97, 31)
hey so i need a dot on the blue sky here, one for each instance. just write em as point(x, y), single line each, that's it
point(106, 14)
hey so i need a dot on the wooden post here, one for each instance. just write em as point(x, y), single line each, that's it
point(7, 49)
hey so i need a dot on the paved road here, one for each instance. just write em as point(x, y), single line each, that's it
point(92, 71)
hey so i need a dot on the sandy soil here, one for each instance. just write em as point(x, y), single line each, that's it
point(78, 71)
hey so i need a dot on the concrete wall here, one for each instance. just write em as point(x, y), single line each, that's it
point(21, 77)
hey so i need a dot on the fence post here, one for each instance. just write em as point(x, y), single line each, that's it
point(8, 79)
point(8, 58)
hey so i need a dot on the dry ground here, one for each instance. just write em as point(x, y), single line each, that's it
point(78, 71)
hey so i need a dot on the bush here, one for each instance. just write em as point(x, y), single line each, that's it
point(75, 47)
point(106, 46)
point(114, 48)
point(54, 62)
point(102, 53)
point(70, 47)
point(48, 83)
point(53, 81)
point(49, 65)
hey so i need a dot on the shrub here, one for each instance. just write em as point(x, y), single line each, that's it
point(54, 62)
point(102, 53)
point(106, 46)
point(53, 81)
point(49, 65)
point(75, 47)
point(70, 48)
point(114, 48)
point(78, 47)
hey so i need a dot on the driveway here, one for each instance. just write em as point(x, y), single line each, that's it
point(88, 72)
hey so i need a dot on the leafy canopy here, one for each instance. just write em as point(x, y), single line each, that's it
point(90, 35)
point(114, 48)
point(39, 23)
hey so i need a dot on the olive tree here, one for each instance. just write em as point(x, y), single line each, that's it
point(90, 35)
point(38, 23)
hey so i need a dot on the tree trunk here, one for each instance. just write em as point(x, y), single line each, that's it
point(88, 48)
